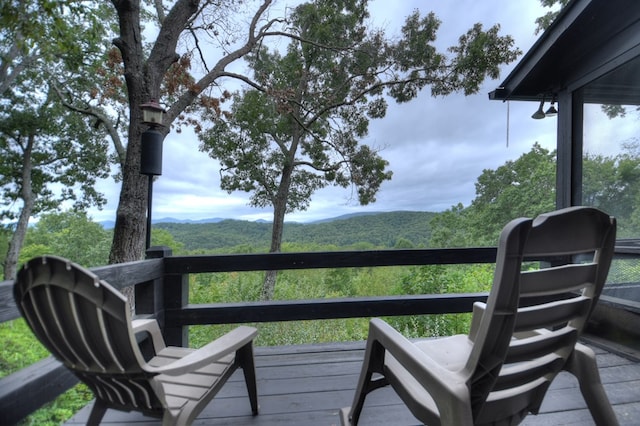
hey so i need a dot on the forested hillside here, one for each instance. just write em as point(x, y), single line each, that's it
point(404, 229)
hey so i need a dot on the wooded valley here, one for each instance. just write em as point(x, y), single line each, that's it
point(393, 229)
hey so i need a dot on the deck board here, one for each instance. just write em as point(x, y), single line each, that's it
point(307, 384)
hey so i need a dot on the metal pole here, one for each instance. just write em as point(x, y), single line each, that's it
point(149, 203)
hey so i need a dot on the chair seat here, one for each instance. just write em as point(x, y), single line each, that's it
point(450, 352)
point(193, 386)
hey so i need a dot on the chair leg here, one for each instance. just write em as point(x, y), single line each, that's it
point(582, 364)
point(97, 412)
point(372, 363)
point(244, 357)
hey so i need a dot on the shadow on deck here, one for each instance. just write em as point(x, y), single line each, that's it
point(307, 384)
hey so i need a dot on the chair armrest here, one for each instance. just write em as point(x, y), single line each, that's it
point(476, 318)
point(441, 382)
point(150, 326)
point(224, 345)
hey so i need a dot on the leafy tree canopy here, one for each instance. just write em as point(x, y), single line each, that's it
point(522, 187)
point(70, 234)
point(61, 154)
point(297, 129)
point(526, 187)
point(47, 154)
point(613, 185)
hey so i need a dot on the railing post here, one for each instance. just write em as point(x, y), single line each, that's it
point(176, 298)
point(149, 295)
point(171, 294)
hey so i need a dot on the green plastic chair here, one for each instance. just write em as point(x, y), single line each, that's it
point(86, 324)
point(517, 343)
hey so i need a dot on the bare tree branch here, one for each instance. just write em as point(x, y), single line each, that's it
point(102, 119)
point(8, 61)
point(159, 11)
point(218, 70)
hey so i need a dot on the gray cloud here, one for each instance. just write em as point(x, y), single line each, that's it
point(436, 147)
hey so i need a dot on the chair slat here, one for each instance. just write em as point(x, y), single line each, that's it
point(47, 315)
point(519, 374)
point(557, 280)
point(107, 385)
point(551, 314)
point(102, 329)
point(83, 333)
point(524, 349)
point(124, 388)
point(515, 400)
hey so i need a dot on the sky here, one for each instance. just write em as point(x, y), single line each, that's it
point(436, 147)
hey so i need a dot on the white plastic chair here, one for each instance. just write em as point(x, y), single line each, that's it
point(501, 371)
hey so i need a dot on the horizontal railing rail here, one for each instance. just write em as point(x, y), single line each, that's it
point(161, 291)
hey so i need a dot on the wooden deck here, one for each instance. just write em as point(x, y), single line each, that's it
point(307, 384)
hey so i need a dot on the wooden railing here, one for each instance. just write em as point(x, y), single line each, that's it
point(161, 292)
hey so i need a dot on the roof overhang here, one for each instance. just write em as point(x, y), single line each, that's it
point(587, 39)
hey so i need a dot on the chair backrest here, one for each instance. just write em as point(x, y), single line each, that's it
point(85, 324)
point(534, 315)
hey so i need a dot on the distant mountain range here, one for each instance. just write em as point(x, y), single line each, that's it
point(110, 224)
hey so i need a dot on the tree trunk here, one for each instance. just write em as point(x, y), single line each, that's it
point(279, 210)
point(17, 239)
point(269, 283)
point(26, 193)
point(144, 80)
point(130, 228)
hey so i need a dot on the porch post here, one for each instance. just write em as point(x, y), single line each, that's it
point(569, 148)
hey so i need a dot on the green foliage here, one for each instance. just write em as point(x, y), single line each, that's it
point(19, 347)
point(613, 185)
point(336, 283)
point(61, 409)
point(363, 232)
point(449, 228)
point(39, 47)
point(441, 279)
point(524, 187)
point(41, 145)
point(624, 271)
point(44, 33)
point(70, 234)
point(162, 237)
point(49, 154)
point(543, 22)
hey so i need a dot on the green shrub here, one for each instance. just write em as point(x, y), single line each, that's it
point(61, 409)
point(20, 349)
point(441, 279)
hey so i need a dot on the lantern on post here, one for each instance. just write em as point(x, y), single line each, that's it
point(151, 152)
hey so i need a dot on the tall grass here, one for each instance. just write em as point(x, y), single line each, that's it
point(338, 283)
